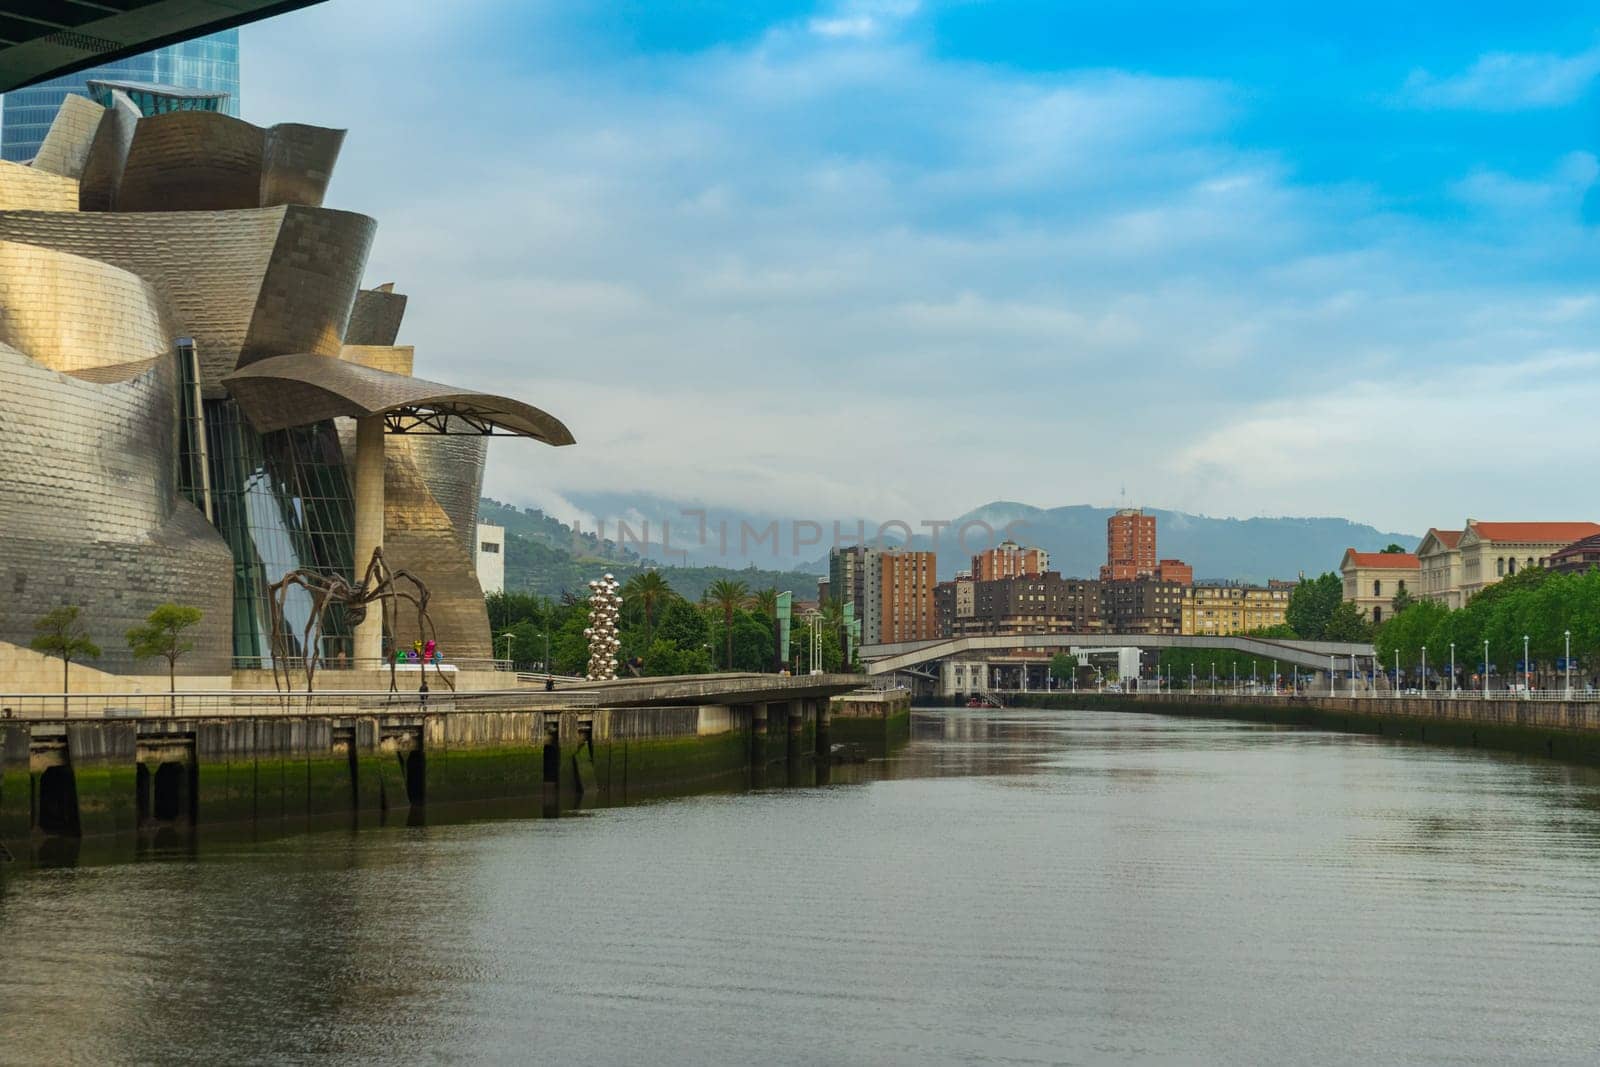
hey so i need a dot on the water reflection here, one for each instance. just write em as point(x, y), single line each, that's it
point(1008, 886)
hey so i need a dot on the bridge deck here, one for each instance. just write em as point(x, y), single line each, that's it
point(886, 659)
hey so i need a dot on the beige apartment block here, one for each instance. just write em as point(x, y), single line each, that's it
point(1220, 610)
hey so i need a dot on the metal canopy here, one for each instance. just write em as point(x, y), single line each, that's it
point(295, 390)
point(42, 39)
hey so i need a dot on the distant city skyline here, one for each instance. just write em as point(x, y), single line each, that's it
point(899, 258)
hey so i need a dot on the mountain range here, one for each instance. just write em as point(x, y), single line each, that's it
point(1253, 549)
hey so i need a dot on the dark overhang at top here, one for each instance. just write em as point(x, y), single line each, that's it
point(283, 391)
point(42, 39)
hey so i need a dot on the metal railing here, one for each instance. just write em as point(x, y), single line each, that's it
point(297, 664)
point(228, 703)
point(1246, 692)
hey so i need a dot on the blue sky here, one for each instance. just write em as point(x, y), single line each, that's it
point(895, 258)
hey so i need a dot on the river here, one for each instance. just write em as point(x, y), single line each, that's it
point(1010, 887)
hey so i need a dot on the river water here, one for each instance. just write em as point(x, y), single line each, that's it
point(1011, 887)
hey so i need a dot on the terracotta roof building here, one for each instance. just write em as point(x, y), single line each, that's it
point(1491, 551)
point(1459, 564)
point(1373, 579)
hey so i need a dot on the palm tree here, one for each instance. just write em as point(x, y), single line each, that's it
point(729, 595)
point(766, 602)
point(650, 591)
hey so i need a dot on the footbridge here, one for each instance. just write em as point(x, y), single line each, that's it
point(923, 657)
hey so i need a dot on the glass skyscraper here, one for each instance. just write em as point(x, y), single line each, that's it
point(205, 63)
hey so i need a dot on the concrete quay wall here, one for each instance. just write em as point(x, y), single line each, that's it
point(74, 779)
point(873, 718)
point(1566, 730)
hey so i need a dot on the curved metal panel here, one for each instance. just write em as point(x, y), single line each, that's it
point(419, 536)
point(243, 284)
point(297, 389)
point(76, 314)
point(375, 319)
point(305, 299)
point(66, 147)
point(192, 161)
point(25, 188)
point(297, 163)
point(451, 466)
point(102, 168)
point(89, 513)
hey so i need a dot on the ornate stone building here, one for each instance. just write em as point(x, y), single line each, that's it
point(199, 398)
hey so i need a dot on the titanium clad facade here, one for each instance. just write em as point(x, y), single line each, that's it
point(179, 363)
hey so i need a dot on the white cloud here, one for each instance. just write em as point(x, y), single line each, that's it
point(862, 18)
point(1507, 81)
point(848, 277)
point(1429, 446)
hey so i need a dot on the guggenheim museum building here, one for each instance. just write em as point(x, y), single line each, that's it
point(197, 397)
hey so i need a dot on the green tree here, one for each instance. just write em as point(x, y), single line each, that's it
point(651, 592)
point(752, 642)
point(765, 603)
point(727, 596)
point(1393, 550)
point(1312, 604)
point(1063, 666)
point(684, 626)
point(665, 658)
point(569, 649)
point(1346, 623)
point(162, 635)
point(60, 633)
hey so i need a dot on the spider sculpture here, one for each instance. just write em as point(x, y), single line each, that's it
point(379, 583)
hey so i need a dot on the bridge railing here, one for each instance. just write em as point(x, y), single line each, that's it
point(222, 703)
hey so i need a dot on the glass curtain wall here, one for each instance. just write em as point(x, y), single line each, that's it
point(204, 63)
point(283, 503)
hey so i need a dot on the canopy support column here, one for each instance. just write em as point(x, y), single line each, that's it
point(369, 529)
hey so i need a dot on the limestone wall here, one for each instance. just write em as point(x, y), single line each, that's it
point(23, 670)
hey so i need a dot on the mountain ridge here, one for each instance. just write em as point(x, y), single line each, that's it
point(1246, 549)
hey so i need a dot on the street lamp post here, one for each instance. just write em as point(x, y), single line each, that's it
point(1213, 677)
point(1568, 662)
point(1254, 688)
point(1486, 668)
point(1527, 670)
point(1331, 673)
point(1396, 688)
point(1452, 670)
point(507, 637)
point(1352, 674)
point(1424, 670)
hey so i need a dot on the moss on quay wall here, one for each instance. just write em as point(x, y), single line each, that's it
point(1471, 724)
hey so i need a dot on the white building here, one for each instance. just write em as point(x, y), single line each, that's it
point(491, 557)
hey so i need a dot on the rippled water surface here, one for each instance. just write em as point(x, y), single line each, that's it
point(1011, 887)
